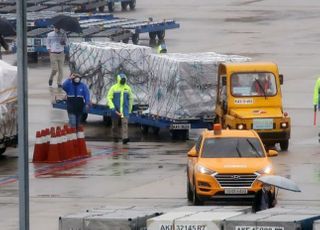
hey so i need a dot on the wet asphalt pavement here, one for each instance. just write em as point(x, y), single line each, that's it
point(150, 171)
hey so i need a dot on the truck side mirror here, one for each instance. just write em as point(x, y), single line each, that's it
point(281, 79)
point(193, 152)
point(223, 80)
point(272, 153)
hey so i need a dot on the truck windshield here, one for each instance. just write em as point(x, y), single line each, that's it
point(260, 84)
point(232, 147)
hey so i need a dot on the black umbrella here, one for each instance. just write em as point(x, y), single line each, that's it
point(66, 23)
point(6, 28)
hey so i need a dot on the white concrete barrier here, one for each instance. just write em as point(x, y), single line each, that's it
point(271, 221)
point(316, 225)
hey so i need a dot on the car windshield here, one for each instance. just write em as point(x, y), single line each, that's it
point(232, 147)
point(258, 84)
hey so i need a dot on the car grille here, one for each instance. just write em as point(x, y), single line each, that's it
point(235, 180)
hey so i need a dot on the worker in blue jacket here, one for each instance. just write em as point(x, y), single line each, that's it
point(120, 101)
point(78, 99)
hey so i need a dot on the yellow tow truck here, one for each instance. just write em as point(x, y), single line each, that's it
point(249, 97)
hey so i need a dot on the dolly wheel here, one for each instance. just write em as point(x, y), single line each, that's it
point(111, 6)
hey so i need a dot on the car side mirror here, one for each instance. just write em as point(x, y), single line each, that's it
point(281, 79)
point(193, 152)
point(272, 153)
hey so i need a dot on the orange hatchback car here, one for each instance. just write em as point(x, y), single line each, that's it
point(224, 165)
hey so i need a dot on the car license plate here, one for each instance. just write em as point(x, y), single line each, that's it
point(180, 126)
point(262, 123)
point(235, 191)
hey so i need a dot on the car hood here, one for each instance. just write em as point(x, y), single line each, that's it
point(256, 112)
point(235, 165)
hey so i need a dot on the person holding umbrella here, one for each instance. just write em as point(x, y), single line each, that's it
point(264, 199)
point(56, 41)
point(78, 99)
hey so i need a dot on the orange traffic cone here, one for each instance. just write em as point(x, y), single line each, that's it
point(74, 141)
point(81, 142)
point(46, 142)
point(38, 148)
point(70, 144)
point(64, 143)
point(60, 144)
point(53, 154)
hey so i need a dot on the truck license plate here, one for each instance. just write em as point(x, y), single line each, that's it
point(180, 126)
point(235, 191)
point(262, 123)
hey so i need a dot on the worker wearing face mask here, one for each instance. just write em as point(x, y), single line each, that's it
point(78, 99)
point(120, 101)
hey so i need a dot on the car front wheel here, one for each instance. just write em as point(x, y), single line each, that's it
point(195, 198)
point(189, 191)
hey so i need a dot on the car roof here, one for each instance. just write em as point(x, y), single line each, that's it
point(230, 133)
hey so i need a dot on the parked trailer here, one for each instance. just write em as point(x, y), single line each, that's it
point(179, 128)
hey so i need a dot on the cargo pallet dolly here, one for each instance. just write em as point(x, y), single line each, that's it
point(117, 29)
point(179, 128)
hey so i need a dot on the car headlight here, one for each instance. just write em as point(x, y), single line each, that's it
point(241, 126)
point(204, 170)
point(284, 125)
point(266, 170)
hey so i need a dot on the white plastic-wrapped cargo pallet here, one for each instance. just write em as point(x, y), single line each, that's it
point(8, 103)
point(100, 63)
point(184, 85)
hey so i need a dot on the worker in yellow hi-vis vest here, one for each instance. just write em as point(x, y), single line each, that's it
point(120, 101)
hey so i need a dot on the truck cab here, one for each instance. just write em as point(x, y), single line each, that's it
point(249, 97)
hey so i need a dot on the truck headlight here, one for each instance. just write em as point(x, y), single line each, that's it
point(284, 125)
point(204, 170)
point(266, 170)
point(241, 126)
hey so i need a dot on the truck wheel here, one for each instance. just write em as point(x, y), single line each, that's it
point(111, 6)
point(132, 4)
point(284, 145)
point(124, 5)
point(84, 117)
point(135, 39)
point(107, 120)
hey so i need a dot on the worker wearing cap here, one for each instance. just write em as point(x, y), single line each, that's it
point(78, 99)
point(316, 93)
point(120, 101)
point(162, 48)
